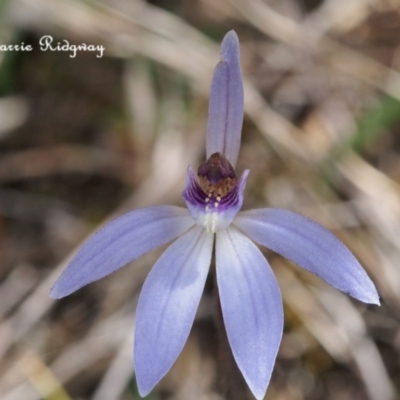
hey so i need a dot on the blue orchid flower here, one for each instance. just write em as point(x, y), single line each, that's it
point(249, 294)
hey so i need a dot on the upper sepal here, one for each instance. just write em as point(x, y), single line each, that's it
point(311, 246)
point(225, 115)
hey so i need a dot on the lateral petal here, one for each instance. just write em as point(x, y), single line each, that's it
point(311, 246)
point(251, 306)
point(120, 241)
point(168, 304)
point(225, 115)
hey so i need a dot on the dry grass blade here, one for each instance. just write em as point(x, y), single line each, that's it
point(13, 113)
point(363, 349)
point(339, 327)
point(36, 163)
point(116, 379)
point(305, 38)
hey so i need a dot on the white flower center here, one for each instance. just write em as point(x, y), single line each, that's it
point(211, 220)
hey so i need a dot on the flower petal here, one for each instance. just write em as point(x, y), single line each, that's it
point(119, 242)
point(209, 213)
point(251, 306)
point(168, 304)
point(311, 246)
point(225, 115)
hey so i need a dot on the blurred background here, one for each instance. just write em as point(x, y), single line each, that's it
point(85, 139)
